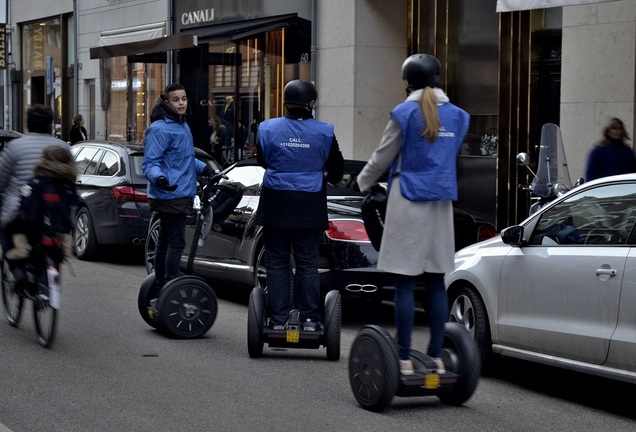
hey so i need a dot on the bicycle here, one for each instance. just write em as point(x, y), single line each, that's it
point(42, 288)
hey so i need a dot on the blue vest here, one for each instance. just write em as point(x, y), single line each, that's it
point(429, 170)
point(295, 152)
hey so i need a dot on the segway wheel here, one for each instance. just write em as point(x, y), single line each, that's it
point(373, 369)
point(333, 321)
point(461, 356)
point(187, 307)
point(147, 292)
point(255, 322)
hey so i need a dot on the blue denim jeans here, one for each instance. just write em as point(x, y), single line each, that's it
point(170, 245)
point(436, 309)
point(280, 244)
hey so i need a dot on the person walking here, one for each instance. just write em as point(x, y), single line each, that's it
point(612, 155)
point(78, 132)
point(170, 166)
point(296, 150)
point(419, 145)
point(17, 162)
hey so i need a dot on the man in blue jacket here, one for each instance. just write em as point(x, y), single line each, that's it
point(171, 169)
point(296, 151)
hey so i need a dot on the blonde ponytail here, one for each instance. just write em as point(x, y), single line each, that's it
point(428, 105)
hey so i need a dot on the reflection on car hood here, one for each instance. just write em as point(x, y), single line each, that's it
point(475, 248)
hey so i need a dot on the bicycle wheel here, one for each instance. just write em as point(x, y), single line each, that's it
point(11, 301)
point(45, 315)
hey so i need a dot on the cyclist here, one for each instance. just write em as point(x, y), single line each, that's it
point(46, 207)
point(17, 161)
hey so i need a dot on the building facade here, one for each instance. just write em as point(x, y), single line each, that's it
point(512, 71)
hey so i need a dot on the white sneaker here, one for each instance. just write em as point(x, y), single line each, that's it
point(441, 370)
point(406, 367)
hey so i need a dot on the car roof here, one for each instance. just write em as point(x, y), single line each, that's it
point(130, 147)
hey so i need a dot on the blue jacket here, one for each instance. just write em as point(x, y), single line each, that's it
point(611, 159)
point(429, 170)
point(169, 152)
point(295, 152)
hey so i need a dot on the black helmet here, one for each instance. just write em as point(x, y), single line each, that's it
point(299, 92)
point(421, 70)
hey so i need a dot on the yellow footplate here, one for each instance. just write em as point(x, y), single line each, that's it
point(431, 381)
point(293, 336)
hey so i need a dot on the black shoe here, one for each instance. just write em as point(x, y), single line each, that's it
point(275, 326)
point(310, 325)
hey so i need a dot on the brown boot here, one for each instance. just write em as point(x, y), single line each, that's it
point(20, 249)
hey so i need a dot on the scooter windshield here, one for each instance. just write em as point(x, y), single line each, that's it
point(553, 175)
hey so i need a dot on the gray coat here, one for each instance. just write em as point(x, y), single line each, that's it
point(418, 236)
point(16, 168)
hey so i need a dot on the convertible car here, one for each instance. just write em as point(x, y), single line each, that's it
point(233, 252)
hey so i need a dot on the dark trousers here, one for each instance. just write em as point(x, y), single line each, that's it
point(280, 244)
point(436, 310)
point(170, 245)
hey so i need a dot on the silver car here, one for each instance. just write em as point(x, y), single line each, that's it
point(560, 287)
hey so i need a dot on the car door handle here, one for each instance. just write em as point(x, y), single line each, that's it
point(603, 271)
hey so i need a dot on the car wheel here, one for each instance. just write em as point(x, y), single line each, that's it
point(151, 245)
point(84, 238)
point(468, 309)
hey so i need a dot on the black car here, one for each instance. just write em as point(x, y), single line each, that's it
point(233, 253)
point(113, 207)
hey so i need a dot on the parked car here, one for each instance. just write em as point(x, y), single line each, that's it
point(233, 253)
point(113, 207)
point(560, 287)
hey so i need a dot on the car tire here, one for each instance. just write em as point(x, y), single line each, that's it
point(151, 245)
point(84, 239)
point(468, 309)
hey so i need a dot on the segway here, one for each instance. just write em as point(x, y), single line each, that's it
point(292, 336)
point(187, 306)
point(374, 369)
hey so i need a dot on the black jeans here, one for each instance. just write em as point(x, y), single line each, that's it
point(280, 244)
point(170, 245)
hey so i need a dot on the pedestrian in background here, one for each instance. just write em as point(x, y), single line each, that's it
point(296, 150)
point(171, 169)
point(78, 132)
point(420, 145)
point(612, 155)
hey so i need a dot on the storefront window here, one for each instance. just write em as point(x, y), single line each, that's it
point(245, 82)
point(42, 53)
point(134, 88)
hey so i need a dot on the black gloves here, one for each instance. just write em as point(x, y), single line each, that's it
point(207, 172)
point(162, 183)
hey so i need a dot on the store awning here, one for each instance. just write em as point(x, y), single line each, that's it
point(142, 39)
point(518, 5)
point(243, 29)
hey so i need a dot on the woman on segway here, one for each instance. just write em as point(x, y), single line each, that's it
point(420, 145)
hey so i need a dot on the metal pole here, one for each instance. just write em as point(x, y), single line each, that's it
point(76, 62)
point(7, 70)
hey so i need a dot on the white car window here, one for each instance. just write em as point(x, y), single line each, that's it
point(601, 216)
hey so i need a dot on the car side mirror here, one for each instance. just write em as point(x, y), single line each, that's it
point(513, 235)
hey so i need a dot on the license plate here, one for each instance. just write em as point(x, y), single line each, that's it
point(293, 336)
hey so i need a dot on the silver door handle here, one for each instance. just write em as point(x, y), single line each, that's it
point(609, 272)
